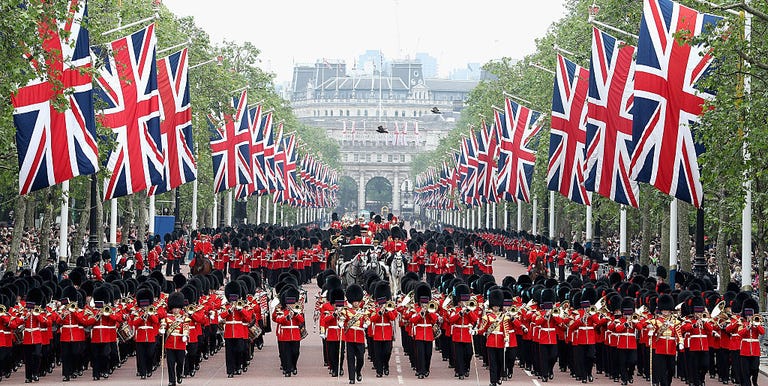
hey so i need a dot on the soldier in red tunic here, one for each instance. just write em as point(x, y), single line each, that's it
point(235, 318)
point(750, 329)
point(331, 329)
point(174, 329)
point(146, 322)
point(381, 322)
point(103, 321)
point(289, 317)
point(664, 340)
point(462, 319)
point(355, 320)
point(422, 321)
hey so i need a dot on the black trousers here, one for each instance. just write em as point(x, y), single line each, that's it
point(663, 369)
point(583, 359)
point(698, 364)
point(735, 367)
point(192, 355)
point(548, 357)
point(335, 358)
point(463, 356)
point(32, 355)
point(749, 369)
point(100, 358)
point(289, 355)
point(382, 350)
point(145, 354)
point(169, 268)
point(423, 350)
point(71, 352)
point(355, 357)
point(626, 359)
point(6, 362)
point(723, 364)
point(495, 363)
point(175, 361)
point(232, 351)
point(509, 361)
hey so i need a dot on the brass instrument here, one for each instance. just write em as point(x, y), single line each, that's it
point(757, 319)
point(635, 318)
point(297, 308)
point(718, 311)
point(192, 308)
point(513, 311)
point(472, 304)
point(37, 310)
point(240, 304)
point(555, 312)
point(3, 309)
point(106, 311)
point(432, 306)
point(389, 306)
point(151, 310)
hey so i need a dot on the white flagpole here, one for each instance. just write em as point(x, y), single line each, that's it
point(274, 211)
point(672, 239)
point(228, 209)
point(194, 204)
point(258, 210)
point(589, 223)
point(520, 215)
point(215, 216)
point(266, 210)
point(746, 213)
point(493, 218)
point(551, 213)
point(151, 215)
point(623, 232)
point(64, 223)
point(487, 216)
point(113, 222)
point(282, 218)
point(506, 216)
point(479, 216)
point(534, 220)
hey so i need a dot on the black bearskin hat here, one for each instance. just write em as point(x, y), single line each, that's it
point(335, 295)
point(144, 297)
point(628, 306)
point(461, 293)
point(382, 291)
point(422, 293)
point(232, 291)
point(661, 272)
point(175, 300)
point(496, 298)
point(179, 280)
point(102, 294)
point(749, 304)
point(289, 295)
point(354, 293)
point(665, 303)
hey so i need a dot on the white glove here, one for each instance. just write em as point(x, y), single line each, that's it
point(716, 334)
point(184, 338)
point(162, 331)
point(366, 324)
point(472, 331)
point(322, 336)
point(681, 346)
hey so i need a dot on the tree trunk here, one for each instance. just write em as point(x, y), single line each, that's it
point(721, 253)
point(19, 217)
point(29, 220)
point(664, 247)
point(684, 236)
point(45, 227)
point(82, 227)
point(645, 231)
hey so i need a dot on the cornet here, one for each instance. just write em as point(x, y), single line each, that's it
point(432, 307)
point(471, 304)
point(37, 310)
point(239, 305)
point(757, 320)
point(389, 306)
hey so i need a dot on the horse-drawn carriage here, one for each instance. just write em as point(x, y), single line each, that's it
point(354, 260)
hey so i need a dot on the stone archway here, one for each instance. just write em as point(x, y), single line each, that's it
point(378, 193)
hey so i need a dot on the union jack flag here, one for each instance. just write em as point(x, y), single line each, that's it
point(285, 168)
point(230, 146)
point(486, 160)
point(667, 102)
point(270, 155)
point(469, 181)
point(256, 152)
point(128, 86)
point(518, 126)
point(609, 119)
point(565, 171)
point(55, 146)
point(176, 122)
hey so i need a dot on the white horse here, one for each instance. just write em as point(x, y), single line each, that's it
point(396, 272)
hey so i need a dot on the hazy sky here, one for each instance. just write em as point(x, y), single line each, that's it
point(292, 32)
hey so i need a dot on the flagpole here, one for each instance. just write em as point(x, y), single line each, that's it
point(194, 204)
point(520, 215)
point(487, 215)
point(64, 223)
point(672, 241)
point(113, 223)
point(151, 215)
point(506, 215)
point(589, 223)
point(215, 217)
point(534, 220)
point(266, 210)
point(746, 213)
point(282, 218)
point(493, 218)
point(623, 232)
point(551, 213)
point(274, 210)
point(228, 209)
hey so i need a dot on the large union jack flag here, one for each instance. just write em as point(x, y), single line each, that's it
point(230, 146)
point(518, 126)
point(565, 171)
point(609, 119)
point(256, 150)
point(128, 86)
point(667, 101)
point(486, 158)
point(176, 123)
point(265, 154)
point(55, 146)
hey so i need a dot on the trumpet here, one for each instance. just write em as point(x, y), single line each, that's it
point(3, 309)
point(757, 319)
point(297, 308)
point(151, 310)
point(471, 304)
point(72, 307)
point(432, 307)
point(106, 311)
point(192, 308)
point(239, 305)
point(389, 306)
point(37, 310)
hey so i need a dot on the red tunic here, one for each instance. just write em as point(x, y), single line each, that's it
point(288, 326)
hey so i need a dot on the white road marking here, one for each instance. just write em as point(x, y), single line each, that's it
point(535, 382)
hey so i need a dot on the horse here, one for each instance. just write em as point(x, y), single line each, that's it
point(202, 266)
point(539, 268)
point(351, 271)
point(396, 271)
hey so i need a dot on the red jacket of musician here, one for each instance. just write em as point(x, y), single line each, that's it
point(198, 319)
point(495, 328)
point(139, 261)
point(625, 332)
point(697, 334)
point(329, 325)
point(235, 322)
point(146, 326)
point(422, 324)
point(461, 322)
point(32, 323)
point(547, 331)
point(584, 327)
point(750, 344)
point(177, 331)
point(104, 326)
point(153, 257)
point(381, 323)
point(71, 323)
point(354, 330)
point(288, 325)
point(169, 255)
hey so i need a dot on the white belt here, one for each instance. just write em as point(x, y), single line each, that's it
point(546, 329)
point(334, 327)
point(498, 332)
point(235, 322)
point(32, 329)
point(145, 327)
point(626, 334)
point(176, 334)
point(71, 326)
point(423, 325)
point(667, 337)
point(462, 325)
point(357, 328)
point(289, 326)
point(104, 327)
point(697, 336)
point(5, 332)
point(750, 340)
point(586, 328)
point(382, 324)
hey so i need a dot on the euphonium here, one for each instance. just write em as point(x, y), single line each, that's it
point(592, 309)
point(432, 306)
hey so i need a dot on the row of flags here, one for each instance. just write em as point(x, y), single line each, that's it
point(146, 103)
point(397, 137)
point(626, 119)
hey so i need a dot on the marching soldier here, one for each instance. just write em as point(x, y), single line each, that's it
point(289, 317)
point(626, 343)
point(381, 322)
point(664, 341)
point(696, 331)
point(462, 317)
point(146, 322)
point(72, 332)
point(423, 319)
point(33, 317)
point(174, 329)
point(235, 318)
point(547, 321)
point(750, 328)
point(103, 322)
point(355, 321)
point(494, 325)
point(331, 330)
